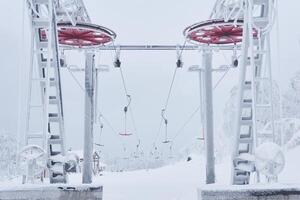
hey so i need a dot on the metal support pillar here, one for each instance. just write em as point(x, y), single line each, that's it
point(89, 119)
point(209, 124)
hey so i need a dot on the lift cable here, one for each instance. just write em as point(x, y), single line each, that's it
point(118, 65)
point(189, 119)
point(178, 65)
point(125, 133)
point(101, 115)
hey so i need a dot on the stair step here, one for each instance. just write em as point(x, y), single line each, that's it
point(53, 117)
point(248, 118)
point(247, 100)
point(52, 82)
point(240, 182)
point(54, 153)
point(243, 151)
point(57, 158)
point(246, 157)
point(245, 140)
point(55, 141)
point(40, 23)
point(246, 122)
point(43, 63)
point(53, 100)
point(40, 1)
point(54, 137)
point(247, 103)
point(257, 60)
point(241, 177)
point(57, 178)
point(247, 85)
point(35, 136)
point(246, 167)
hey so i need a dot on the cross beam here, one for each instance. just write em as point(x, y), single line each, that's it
point(163, 47)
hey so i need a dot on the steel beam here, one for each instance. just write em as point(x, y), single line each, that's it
point(209, 124)
point(162, 47)
point(88, 119)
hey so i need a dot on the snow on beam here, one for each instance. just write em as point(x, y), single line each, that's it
point(52, 192)
point(267, 192)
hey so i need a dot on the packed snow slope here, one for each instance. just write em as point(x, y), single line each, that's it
point(174, 182)
point(179, 181)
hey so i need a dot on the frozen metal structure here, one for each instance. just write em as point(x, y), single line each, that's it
point(244, 25)
point(56, 25)
point(32, 163)
point(236, 25)
point(255, 86)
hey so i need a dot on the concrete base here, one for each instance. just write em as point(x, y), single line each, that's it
point(266, 192)
point(52, 192)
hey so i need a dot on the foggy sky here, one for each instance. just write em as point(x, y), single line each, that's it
point(148, 74)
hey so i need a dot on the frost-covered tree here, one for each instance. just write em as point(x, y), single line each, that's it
point(8, 155)
point(263, 115)
point(291, 109)
point(291, 98)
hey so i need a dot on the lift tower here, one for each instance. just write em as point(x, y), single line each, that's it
point(244, 25)
point(45, 119)
point(255, 92)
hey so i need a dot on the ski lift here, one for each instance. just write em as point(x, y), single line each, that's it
point(117, 62)
point(156, 153)
point(125, 154)
point(235, 59)
point(166, 141)
point(101, 131)
point(126, 134)
point(171, 151)
point(136, 153)
point(179, 62)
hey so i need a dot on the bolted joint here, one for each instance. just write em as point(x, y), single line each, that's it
point(235, 63)
point(179, 63)
point(117, 63)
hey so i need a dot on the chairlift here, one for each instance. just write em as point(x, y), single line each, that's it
point(171, 152)
point(125, 152)
point(136, 153)
point(126, 134)
point(166, 141)
point(155, 153)
point(101, 131)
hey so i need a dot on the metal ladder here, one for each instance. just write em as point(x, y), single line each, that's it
point(256, 59)
point(45, 51)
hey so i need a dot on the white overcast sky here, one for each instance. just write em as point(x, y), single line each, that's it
point(147, 74)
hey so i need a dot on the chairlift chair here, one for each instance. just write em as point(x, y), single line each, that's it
point(166, 141)
point(126, 134)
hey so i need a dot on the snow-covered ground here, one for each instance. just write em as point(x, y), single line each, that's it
point(174, 182)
